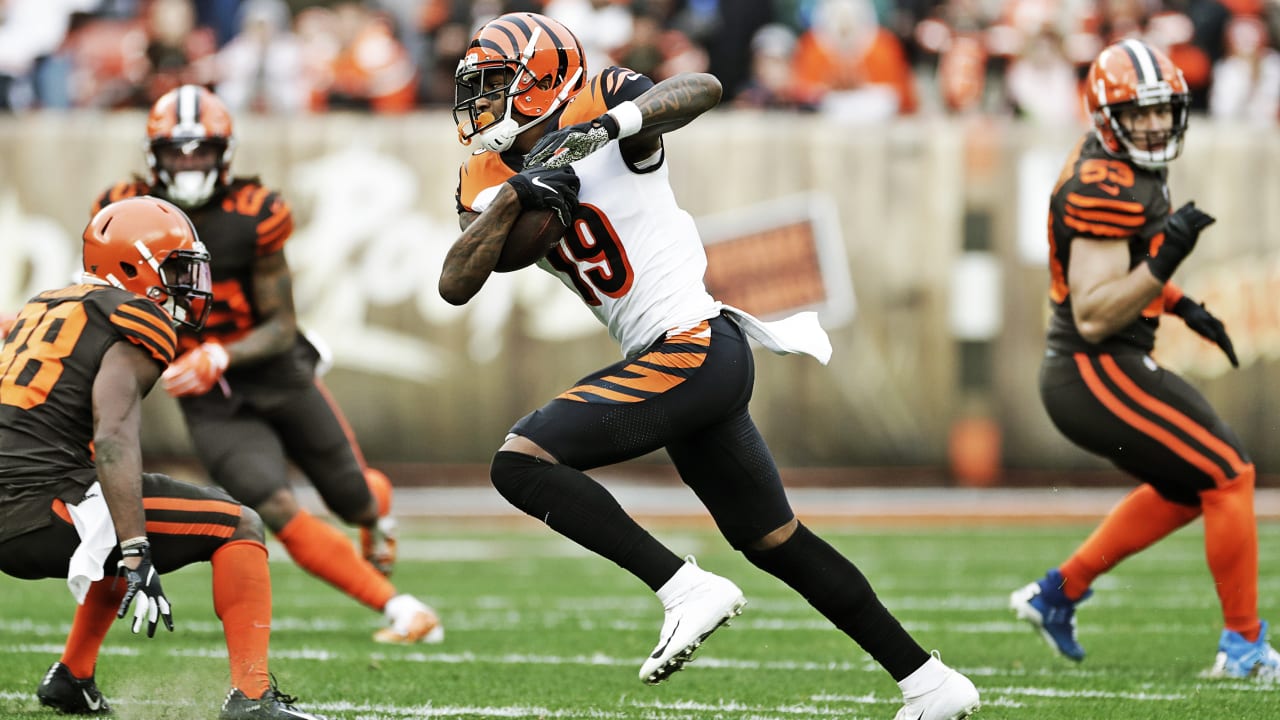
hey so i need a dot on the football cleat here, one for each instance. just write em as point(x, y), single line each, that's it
point(273, 705)
point(378, 545)
point(69, 694)
point(1047, 609)
point(954, 698)
point(699, 603)
point(1239, 658)
point(412, 621)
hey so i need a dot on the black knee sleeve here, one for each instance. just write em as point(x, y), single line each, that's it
point(838, 589)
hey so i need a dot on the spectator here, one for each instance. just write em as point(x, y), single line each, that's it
point(858, 68)
point(610, 23)
point(178, 51)
point(261, 69)
point(373, 70)
point(1041, 82)
point(1246, 83)
point(771, 85)
point(29, 30)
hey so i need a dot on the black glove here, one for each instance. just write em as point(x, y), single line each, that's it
point(1198, 319)
point(548, 189)
point(144, 583)
point(1181, 229)
point(571, 144)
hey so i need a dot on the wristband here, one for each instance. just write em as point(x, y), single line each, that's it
point(628, 117)
point(134, 546)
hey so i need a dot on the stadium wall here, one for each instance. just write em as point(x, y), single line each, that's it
point(924, 240)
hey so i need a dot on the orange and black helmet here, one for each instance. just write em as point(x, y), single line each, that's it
point(521, 62)
point(149, 247)
point(1132, 74)
point(186, 120)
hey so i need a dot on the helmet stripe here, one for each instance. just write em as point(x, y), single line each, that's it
point(562, 68)
point(188, 106)
point(1144, 62)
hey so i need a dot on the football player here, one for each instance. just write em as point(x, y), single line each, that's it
point(551, 136)
point(247, 383)
point(74, 501)
point(1113, 247)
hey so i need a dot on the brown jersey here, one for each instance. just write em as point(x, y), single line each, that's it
point(612, 87)
point(1101, 197)
point(241, 223)
point(47, 369)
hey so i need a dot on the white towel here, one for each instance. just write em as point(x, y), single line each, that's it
point(97, 539)
point(800, 333)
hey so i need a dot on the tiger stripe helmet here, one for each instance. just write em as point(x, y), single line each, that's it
point(518, 63)
point(186, 119)
point(1128, 74)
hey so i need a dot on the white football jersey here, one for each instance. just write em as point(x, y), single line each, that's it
point(633, 255)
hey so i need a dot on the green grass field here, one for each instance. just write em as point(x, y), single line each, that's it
point(538, 629)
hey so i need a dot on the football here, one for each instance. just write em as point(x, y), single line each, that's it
point(529, 239)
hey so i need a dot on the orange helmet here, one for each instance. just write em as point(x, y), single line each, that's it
point(189, 144)
point(522, 62)
point(149, 247)
point(1132, 74)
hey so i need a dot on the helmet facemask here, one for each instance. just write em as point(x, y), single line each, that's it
point(189, 169)
point(511, 85)
point(1150, 149)
point(188, 285)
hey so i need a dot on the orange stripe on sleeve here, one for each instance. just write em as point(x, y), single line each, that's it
point(1170, 413)
point(1124, 206)
point(1141, 424)
point(163, 348)
point(1125, 220)
point(1094, 229)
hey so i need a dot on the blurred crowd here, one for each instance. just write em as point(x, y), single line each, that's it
point(853, 60)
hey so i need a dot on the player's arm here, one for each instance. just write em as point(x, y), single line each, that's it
point(277, 328)
point(1105, 294)
point(475, 253)
point(638, 125)
point(124, 378)
point(670, 105)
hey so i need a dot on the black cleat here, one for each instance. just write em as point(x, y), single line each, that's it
point(70, 695)
point(273, 705)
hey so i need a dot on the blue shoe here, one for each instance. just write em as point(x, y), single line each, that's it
point(1239, 658)
point(1050, 611)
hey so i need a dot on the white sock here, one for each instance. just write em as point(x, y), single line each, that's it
point(687, 576)
point(925, 678)
point(401, 607)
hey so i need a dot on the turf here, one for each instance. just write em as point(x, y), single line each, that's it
point(536, 628)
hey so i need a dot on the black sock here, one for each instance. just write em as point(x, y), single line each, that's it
point(840, 592)
point(574, 505)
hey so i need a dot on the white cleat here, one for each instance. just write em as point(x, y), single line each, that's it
point(697, 603)
point(954, 698)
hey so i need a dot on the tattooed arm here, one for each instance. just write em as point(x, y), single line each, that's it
point(277, 328)
point(670, 105)
point(474, 254)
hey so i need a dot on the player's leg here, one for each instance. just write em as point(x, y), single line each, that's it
point(620, 412)
point(320, 441)
point(730, 468)
point(1153, 424)
point(312, 435)
point(68, 686)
